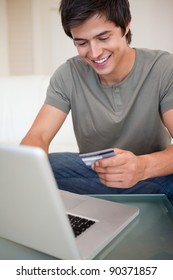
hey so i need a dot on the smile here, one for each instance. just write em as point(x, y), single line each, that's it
point(100, 61)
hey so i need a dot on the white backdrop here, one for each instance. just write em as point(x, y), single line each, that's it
point(151, 26)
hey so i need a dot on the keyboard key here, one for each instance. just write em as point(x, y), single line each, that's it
point(79, 224)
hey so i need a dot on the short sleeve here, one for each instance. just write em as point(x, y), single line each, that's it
point(58, 92)
point(166, 93)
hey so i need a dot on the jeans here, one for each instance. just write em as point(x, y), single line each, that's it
point(73, 175)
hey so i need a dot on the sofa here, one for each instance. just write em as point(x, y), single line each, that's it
point(20, 100)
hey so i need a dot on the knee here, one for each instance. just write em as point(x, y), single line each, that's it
point(170, 188)
point(54, 159)
point(62, 160)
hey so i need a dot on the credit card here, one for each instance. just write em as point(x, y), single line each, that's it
point(91, 158)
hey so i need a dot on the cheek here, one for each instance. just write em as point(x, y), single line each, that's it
point(82, 52)
point(114, 46)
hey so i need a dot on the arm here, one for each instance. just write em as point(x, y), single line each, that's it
point(161, 163)
point(126, 169)
point(44, 128)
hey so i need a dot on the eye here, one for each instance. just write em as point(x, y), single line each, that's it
point(103, 38)
point(80, 43)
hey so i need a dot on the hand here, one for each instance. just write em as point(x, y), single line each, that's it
point(123, 170)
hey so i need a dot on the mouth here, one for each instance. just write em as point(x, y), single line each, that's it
point(101, 61)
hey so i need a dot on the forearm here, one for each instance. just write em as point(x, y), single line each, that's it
point(33, 140)
point(158, 164)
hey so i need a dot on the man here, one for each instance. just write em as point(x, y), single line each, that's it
point(119, 97)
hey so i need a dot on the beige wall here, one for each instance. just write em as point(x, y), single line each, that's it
point(4, 63)
point(32, 40)
point(19, 21)
point(152, 22)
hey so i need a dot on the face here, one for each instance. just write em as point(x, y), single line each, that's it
point(101, 45)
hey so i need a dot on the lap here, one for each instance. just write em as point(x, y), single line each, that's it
point(73, 175)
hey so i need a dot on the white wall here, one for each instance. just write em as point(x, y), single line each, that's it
point(151, 27)
point(152, 24)
point(51, 46)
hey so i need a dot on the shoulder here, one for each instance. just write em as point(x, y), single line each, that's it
point(73, 68)
point(73, 63)
point(157, 61)
point(152, 56)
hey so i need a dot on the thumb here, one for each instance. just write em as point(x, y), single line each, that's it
point(119, 151)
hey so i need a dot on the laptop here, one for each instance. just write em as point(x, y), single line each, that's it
point(36, 214)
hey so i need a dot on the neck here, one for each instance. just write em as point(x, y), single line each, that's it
point(122, 69)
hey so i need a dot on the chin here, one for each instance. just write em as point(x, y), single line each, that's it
point(103, 72)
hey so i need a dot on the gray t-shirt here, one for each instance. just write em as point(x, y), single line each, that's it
point(126, 115)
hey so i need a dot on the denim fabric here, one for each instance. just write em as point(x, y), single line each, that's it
point(73, 175)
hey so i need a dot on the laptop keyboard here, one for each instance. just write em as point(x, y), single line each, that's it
point(79, 224)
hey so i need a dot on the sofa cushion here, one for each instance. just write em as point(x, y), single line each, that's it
point(20, 100)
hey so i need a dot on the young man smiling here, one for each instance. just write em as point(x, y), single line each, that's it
point(104, 48)
point(119, 97)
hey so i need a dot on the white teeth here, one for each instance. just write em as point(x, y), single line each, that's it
point(101, 60)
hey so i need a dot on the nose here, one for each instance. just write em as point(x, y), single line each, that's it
point(95, 50)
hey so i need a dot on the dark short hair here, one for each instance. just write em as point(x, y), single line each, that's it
point(75, 12)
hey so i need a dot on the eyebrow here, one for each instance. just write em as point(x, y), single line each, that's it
point(98, 35)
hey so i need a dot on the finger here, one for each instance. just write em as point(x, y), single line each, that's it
point(117, 160)
point(110, 169)
point(103, 169)
point(112, 184)
point(111, 177)
point(106, 162)
point(119, 151)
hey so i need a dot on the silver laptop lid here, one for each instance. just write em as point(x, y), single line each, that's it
point(28, 206)
point(33, 209)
